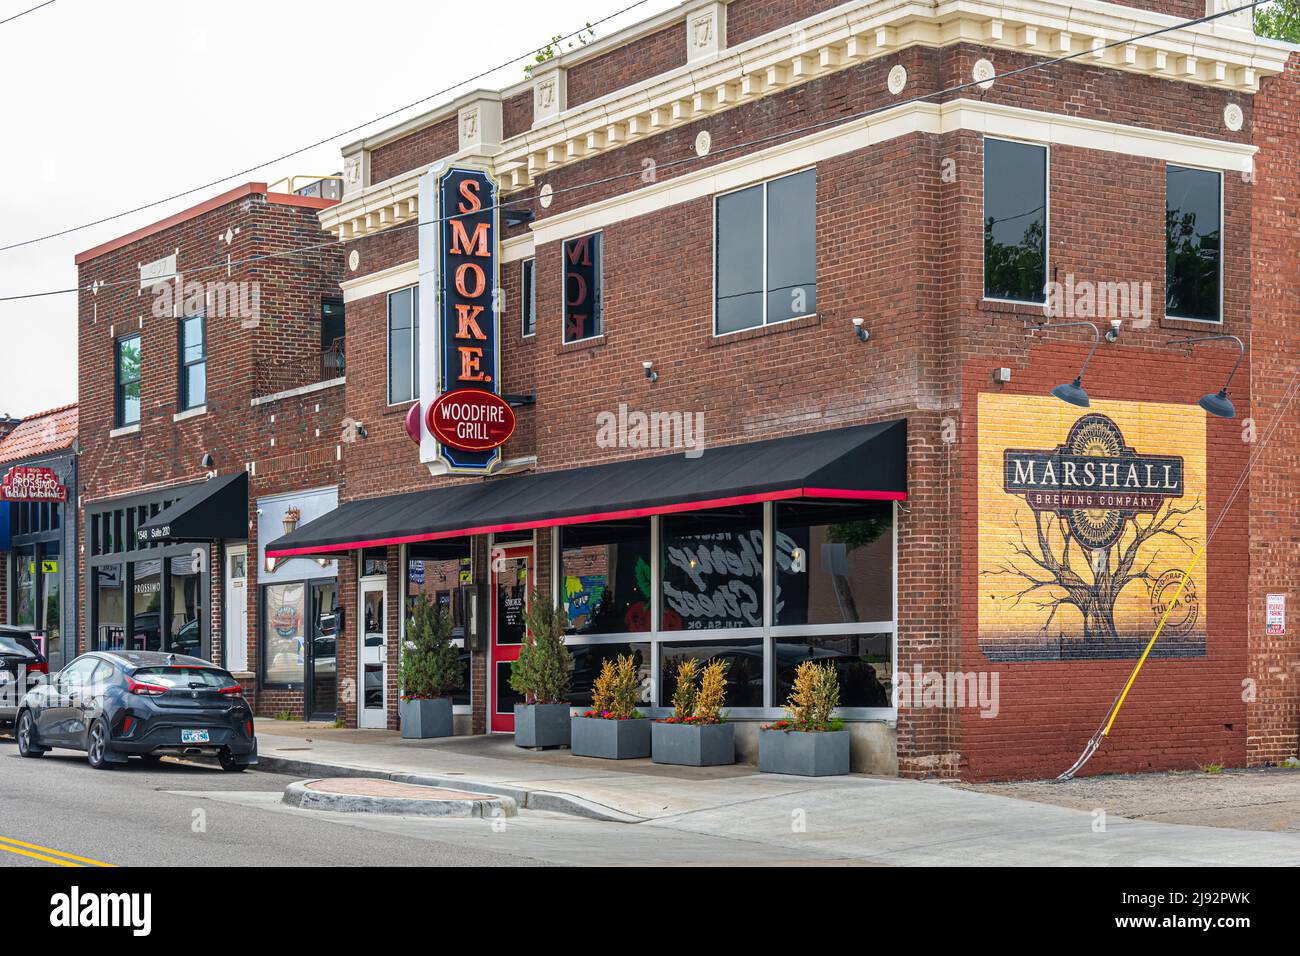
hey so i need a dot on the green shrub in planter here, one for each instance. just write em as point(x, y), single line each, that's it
point(613, 729)
point(542, 675)
point(809, 742)
point(430, 667)
point(696, 735)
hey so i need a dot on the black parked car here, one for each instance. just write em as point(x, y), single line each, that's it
point(21, 661)
point(115, 704)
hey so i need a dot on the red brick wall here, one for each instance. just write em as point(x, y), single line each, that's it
point(657, 53)
point(517, 114)
point(410, 152)
point(903, 249)
point(305, 429)
point(1274, 664)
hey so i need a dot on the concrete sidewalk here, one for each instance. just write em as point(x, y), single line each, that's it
point(872, 819)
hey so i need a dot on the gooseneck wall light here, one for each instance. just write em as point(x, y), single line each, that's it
point(1217, 403)
point(1073, 392)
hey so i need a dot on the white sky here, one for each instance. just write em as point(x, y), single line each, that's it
point(108, 104)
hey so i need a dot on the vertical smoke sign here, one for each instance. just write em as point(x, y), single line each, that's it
point(460, 325)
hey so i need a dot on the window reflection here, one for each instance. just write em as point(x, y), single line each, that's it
point(605, 577)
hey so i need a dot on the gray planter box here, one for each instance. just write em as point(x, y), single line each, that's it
point(610, 739)
point(687, 745)
point(800, 752)
point(542, 725)
point(425, 718)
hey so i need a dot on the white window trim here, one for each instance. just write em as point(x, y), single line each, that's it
point(564, 279)
point(388, 348)
point(765, 292)
point(1223, 245)
point(1047, 221)
point(526, 306)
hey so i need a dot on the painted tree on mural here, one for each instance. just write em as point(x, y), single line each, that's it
point(1046, 562)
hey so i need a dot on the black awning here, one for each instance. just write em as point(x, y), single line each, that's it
point(862, 462)
point(216, 508)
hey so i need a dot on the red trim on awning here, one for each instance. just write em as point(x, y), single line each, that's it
point(598, 516)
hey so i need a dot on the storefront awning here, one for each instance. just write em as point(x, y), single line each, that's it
point(216, 508)
point(862, 462)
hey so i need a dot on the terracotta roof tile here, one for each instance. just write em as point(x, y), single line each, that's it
point(41, 434)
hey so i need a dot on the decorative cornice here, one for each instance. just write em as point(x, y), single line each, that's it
point(1217, 54)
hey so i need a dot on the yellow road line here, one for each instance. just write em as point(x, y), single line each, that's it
point(45, 853)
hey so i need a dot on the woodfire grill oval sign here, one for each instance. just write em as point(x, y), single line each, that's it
point(471, 420)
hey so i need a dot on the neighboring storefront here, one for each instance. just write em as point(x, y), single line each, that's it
point(38, 529)
point(150, 565)
point(298, 607)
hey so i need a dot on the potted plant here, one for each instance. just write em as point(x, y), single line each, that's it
point(429, 668)
point(542, 674)
point(809, 741)
point(697, 734)
point(613, 728)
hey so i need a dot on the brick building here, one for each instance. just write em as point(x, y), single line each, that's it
point(723, 191)
point(211, 370)
point(38, 528)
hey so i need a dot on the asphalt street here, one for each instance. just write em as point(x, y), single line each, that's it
point(181, 814)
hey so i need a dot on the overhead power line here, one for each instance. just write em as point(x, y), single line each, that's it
point(320, 142)
point(716, 151)
point(25, 12)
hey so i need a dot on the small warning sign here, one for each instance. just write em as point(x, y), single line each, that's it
point(1275, 615)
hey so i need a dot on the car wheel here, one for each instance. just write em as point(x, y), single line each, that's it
point(97, 746)
point(229, 764)
point(26, 735)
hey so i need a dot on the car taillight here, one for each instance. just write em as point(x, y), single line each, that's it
point(235, 691)
point(127, 725)
point(134, 686)
point(250, 728)
point(38, 669)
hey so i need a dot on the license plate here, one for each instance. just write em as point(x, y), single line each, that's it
point(194, 736)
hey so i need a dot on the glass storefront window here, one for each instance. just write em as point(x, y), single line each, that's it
point(283, 633)
point(324, 648)
point(25, 587)
point(437, 572)
point(834, 563)
point(184, 608)
point(862, 661)
point(146, 607)
point(605, 577)
point(744, 668)
point(587, 661)
point(713, 569)
point(50, 577)
point(110, 613)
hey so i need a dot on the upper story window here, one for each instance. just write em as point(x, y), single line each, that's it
point(126, 391)
point(528, 296)
point(582, 287)
point(1193, 244)
point(332, 339)
point(765, 253)
point(403, 345)
point(1015, 221)
point(194, 362)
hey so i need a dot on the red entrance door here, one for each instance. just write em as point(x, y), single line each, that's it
point(512, 570)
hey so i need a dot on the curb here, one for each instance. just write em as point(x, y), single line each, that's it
point(299, 795)
point(524, 798)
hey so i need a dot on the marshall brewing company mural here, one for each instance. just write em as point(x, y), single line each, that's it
point(1087, 520)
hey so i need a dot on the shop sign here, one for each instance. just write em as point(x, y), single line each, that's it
point(471, 420)
point(1086, 525)
point(465, 420)
point(1275, 617)
point(30, 483)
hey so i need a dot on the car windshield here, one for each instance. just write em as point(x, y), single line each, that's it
point(184, 676)
point(12, 644)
